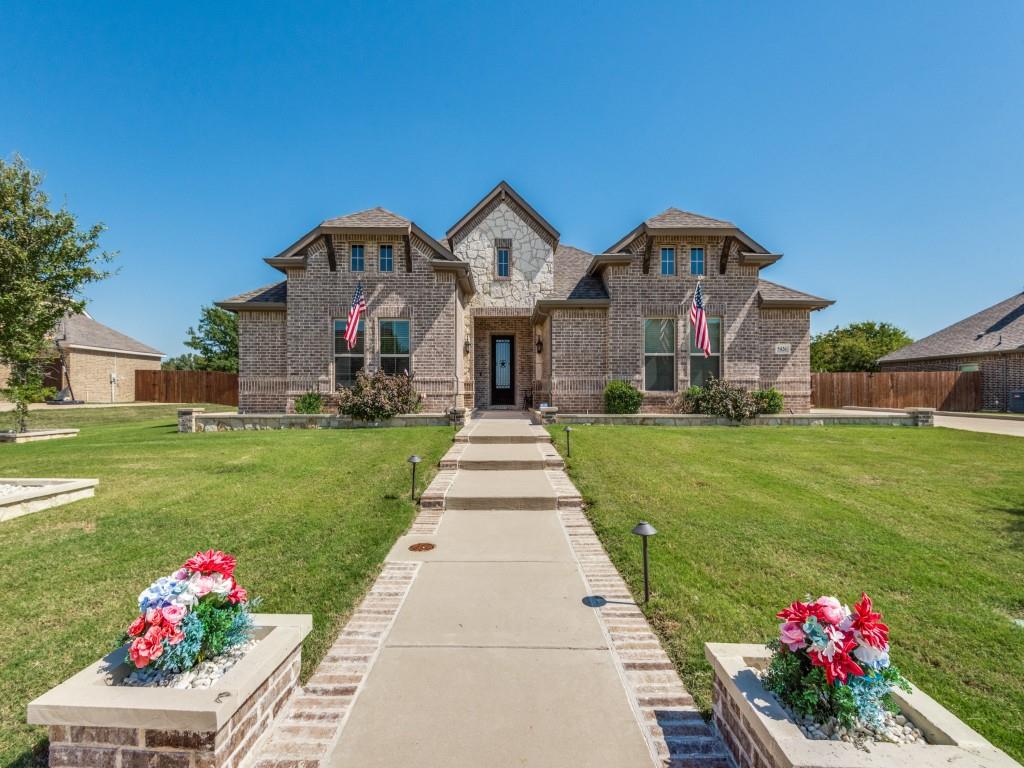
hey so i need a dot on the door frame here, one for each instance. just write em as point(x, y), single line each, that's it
point(510, 337)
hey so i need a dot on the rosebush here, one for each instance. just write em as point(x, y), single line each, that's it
point(311, 402)
point(622, 397)
point(196, 613)
point(767, 400)
point(379, 396)
point(830, 662)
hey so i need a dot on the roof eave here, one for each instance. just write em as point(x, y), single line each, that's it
point(811, 304)
point(463, 274)
point(543, 307)
point(502, 188)
point(947, 355)
point(252, 306)
point(602, 260)
point(283, 263)
point(759, 260)
point(732, 230)
point(91, 348)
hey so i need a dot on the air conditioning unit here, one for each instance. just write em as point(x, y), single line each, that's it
point(1016, 401)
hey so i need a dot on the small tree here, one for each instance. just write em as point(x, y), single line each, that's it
point(216, 341)
point(856, 347)
point(45, 262)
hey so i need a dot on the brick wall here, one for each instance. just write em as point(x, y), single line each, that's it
point(789, 372)
point(579, 359)
point(262, 361)
point(999, 374)
point(317, 297)
point(744, 745)
point(90, 371)
point(486, 326)
point(88, 747)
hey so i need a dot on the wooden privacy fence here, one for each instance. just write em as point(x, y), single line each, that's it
point(943, 390)
point(186, 387)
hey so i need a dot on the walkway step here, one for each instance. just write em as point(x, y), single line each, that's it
point(491, 456)
point(482, 489)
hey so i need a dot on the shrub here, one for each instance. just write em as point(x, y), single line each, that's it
point(378, 396)
point(622, 397)
point(689, 400)
point(767, 400)
point(311, 402)
point(719, 398)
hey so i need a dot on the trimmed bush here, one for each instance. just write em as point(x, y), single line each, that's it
point(622, 397)
point(689, 400)
point(311, 402)
point(378, 397)
point(767, 400)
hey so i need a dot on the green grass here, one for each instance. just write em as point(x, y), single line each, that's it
point(309, 513)
point(930, 522)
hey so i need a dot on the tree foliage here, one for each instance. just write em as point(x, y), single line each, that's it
point(856, 347)
point(215, 342)
point(45, 262)
point(183, 362)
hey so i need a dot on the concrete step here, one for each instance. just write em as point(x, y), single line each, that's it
point(502, 432)
point(515, 489)
point(491, 456)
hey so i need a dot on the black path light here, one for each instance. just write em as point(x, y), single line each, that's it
point(568, 442)
point(414, 460)
point(645, 530)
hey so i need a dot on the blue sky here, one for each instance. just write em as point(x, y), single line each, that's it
point(879, 146)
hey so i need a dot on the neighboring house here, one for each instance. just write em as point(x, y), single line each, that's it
point(97, 362)
point(499, 312)
point(991, 341)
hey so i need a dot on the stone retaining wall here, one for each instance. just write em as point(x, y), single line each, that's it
point(196, 420)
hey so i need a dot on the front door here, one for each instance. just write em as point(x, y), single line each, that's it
point(503, 370)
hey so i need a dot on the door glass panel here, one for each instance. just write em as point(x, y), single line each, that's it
point(502, 364)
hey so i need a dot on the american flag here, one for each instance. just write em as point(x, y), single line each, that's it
point(356, 312)
point(699, 319)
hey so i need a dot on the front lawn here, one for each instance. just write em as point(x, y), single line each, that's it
point(930, 522)
point(309, 513)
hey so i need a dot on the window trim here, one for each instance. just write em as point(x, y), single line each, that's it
point(661, 262)
point(380, 339)
point(691, 354)
point(352, 256)
point(380, 260)
point(502, 244)
point(335, 354)
point(703, 260)
point(673, 353)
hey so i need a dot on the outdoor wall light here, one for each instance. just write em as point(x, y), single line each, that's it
point(414, 460)
point(645, 530)
point(568, 443)
point(466, 346)
point(540, 345)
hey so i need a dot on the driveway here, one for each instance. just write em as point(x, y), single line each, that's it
point(1007, 425)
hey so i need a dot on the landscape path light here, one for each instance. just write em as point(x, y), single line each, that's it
point(645, 530)
point(568, 443)
point(414, 460)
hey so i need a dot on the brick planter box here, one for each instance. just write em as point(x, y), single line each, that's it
point(758, 732)
point(94, 724)
point(195, 420)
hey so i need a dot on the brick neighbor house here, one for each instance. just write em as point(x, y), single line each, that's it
point(499, 312)
point(97, 362)
point(991, 341)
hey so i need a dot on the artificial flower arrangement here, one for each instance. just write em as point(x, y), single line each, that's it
point(196, 613)
point(831, 662)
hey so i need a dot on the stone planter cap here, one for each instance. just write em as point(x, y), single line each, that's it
point(86, 698)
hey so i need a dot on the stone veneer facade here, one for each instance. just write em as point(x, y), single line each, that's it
point(286, 350)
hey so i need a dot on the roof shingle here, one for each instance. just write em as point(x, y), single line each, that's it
point(83, 331)
point(571, 278)
point(275, 293)
point(371, 217)
point(1000, 328)
point(672, 218)
point(773, 292)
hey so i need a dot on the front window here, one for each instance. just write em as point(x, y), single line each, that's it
point(668, 261)
point(394, 347)
point(696, 261)
point(347, 362)
point(358, 262)
point(387, 258)
point(503, 263)
point(659, 354)
point(703, 368)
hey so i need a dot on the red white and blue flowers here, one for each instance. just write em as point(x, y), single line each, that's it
point(196, 613)
point(831, 661)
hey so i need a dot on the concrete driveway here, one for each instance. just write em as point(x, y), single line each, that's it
point(997, 425)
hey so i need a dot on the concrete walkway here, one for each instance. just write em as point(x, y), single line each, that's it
point(511, 642)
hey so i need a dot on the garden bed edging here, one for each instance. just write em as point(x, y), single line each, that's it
point(757, 731)
point(93, 724)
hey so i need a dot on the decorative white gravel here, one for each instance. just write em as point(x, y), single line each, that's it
point(203, 675)
point(895, 729)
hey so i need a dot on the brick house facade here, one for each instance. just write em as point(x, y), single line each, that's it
point(991, 341)
point(499, 312)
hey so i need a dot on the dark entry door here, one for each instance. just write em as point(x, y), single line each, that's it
point(503, 370)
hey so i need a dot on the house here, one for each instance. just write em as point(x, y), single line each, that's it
point(991, 341)
point(97, 362)
point(500, 313)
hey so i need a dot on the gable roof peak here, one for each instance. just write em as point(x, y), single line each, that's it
point(503, 191)
point(370, 217)
point(675, 217)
